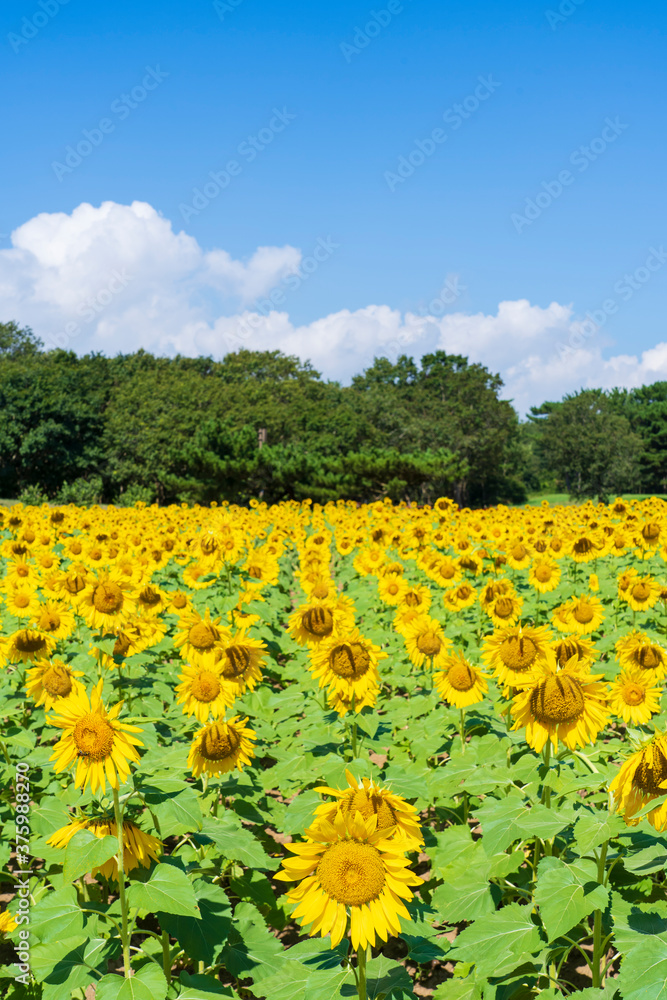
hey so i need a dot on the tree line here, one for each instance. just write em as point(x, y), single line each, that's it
point(92, 428)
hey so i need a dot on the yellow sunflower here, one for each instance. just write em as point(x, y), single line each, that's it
point(515, 654)
point(55, 618)
point(28, 645)
point(349, 865)
point(50, 682)
point(392, 589)
point(7, 923)
point(102, 746)
point(151, 600)
point(22, 601)
point(221, 747)
point(637, 650)
point(240, 664)
point(505, 610)
point(643, 777)
point(426, 641)
point(583, 649)
point(544, 575)
point(201, 692)
point(199, 637)
point(417, 598)
point(643, 593)
point(561, 617)
point(461, 683)
point(632, 698)
point(394, 814)
point(317, 620)
point(494, 589)
point(346, 701)
point(107, 602)
point(139, 848)
point(586, 614)
point(459, 597)
point(567, 706)
point(347, 664)
point(518, 555)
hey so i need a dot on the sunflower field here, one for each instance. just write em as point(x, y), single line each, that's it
point(302, 752)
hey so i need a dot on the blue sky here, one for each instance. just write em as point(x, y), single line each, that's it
point(554, 81)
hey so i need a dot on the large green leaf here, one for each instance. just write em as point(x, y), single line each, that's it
point(148, 983)
point(499, 942)
point(251, 950)
point(203, 937)
point(565, 896)
point(644, 971)
point(85, 851)
point(168, 890)
point(57, 916)
point(199, 987)
point(234, 841)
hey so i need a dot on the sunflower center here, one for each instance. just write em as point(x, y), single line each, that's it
point(203, 635)
point(652, 771)
point(393, 588)
point(22, 571)
point(320, 591)
point(633, 694)
point(318, 622)
point(583, 546)
point(565, 650)
point(21, 600)
point(543, 573)
point(518, 652)
point(93, 736)
point(205, 686)
point(429, 643)
point(412, 599)
point(49, 621)
point(108, 598)
point(57, 682)
point(519, 552)
point(179, 600)
point(556, 700)
point(219, 742)
point(503, 607)
point(583, 613)
point(464, 592)
point(351, 873)
point(150, 597)
point(368, 804)
point(349, 660)
point(650, 531)
point(461, 676)
point(641, 591)
point(238, 661)
point(27, 642)
point(121, 646)
point(648, 657)
point(447, 571)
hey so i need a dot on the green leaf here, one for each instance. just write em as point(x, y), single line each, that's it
point(71, 967)
point(459, 989)
point(499, 942)
point(593, 829)
point(85, 851)
point(57, 916)
point(565, 896)
point(237, 843)
point(251, 950)
point(387, 980)
point(203, 937)
point(148, 983)
point(200, 987)
point(644, 971)
point(168, 890)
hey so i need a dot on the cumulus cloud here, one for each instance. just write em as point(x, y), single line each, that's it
point(117, 277)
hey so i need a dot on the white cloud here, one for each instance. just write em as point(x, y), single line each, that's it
point(118, 277)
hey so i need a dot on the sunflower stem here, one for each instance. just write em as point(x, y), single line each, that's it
point(598, 944)
point(462, 729)
point(546, 788)
point(122, 898)
point(361, 970)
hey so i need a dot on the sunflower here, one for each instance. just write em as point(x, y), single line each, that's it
point(21, 601)
point(632, 698)
point(29, 645)
point(637, 650)
point(50, 682)
point(544, 575)
point(93, 736)
point(461, 683)
point(20, 571)
point(586, 614)
point(642, 593)
point(152, 601)
point(392, 589)
point(178, 602)
point(221, 746)
point(425, 640)
point(585, 546)
point(201, 692)
point(494, 589)
point(349, 864)
point(240, 664)
point(7, 923)
point(643, 777)
point(54, 618)
point(107, 602)
point(199, 575)
point(368, 798)
point(561, 617)
point(347, 664)
point(651, 535)
point(518, 555)
point(317, 620)
point(514, 654)
point(583, 649)
point(199, 638)
point(139, 848)
point(344, 701)
point(460, 597)
point(505, 610)
point(564, 705)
